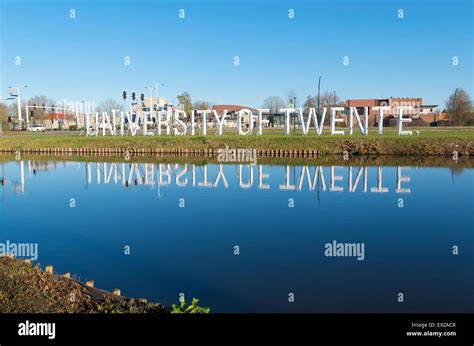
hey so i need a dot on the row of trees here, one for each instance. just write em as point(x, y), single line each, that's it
point(326, 99)
point(185, 100)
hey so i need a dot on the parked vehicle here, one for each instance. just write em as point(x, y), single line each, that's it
point(36, 128)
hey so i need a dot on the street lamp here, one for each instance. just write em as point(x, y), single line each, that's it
point(18, 98)
point(83, 116)
point(156, 92)
point(150, 89)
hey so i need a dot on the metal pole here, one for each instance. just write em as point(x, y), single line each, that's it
point(26, 115)
point(150, 99)
point(150, 106)
point(84, 114)
point(18, 102)
point(157, 101)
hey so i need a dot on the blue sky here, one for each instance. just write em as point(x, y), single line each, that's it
point(83, 58)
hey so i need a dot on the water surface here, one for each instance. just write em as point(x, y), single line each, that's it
point(247, 238)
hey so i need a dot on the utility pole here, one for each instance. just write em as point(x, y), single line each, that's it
point(84, 115)
point(334, 94)
point(18, 102)
point(156, 92)
point(151, 101)
point(26, 110)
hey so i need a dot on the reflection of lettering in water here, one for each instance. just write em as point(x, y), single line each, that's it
point(321, 178)
point(308, 177)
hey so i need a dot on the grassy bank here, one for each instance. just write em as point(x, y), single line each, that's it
point(428, 142)
point(25, 288)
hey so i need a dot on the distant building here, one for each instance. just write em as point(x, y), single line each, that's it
point(428, 111)
point(60, 121)
point(232, 110)
point(152, 105)
point(232, 113)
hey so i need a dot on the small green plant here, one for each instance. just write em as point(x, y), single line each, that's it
point(192, 308)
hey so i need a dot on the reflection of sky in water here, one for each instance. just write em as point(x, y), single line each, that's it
point(190, 249)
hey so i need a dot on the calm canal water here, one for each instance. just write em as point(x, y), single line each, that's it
point(247, 238)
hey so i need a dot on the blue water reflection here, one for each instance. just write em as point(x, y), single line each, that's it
point(184, 221)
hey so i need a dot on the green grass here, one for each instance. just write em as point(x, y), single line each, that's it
point(428, 139)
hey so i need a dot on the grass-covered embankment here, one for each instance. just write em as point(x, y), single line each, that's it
point(429, 142)
point(25, 288)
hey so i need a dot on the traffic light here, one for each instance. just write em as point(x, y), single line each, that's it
point(32, 114)
point(34, 106)
point(52, 109)
point(133, 96)
point(44, 107)
point(155, 108)
point(124, 95)
point(142, 97)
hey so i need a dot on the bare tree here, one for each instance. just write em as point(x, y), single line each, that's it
point(292, 97)
point(327, 99)
point(108, 104)
point(274, 104)
point(459, 106)
point(311, 102)
point(202, 105)
point(330, 99)
point(12, 112)
point(3, 117)
point(39, 114)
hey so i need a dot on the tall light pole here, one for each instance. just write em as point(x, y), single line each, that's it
point(18, 101)
point(26, 110)
point(83, 116)
point(156, 92)
point(149, 93)
point(151, 109)
point(156, 96)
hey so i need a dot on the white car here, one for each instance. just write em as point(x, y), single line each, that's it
point(36, 128)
